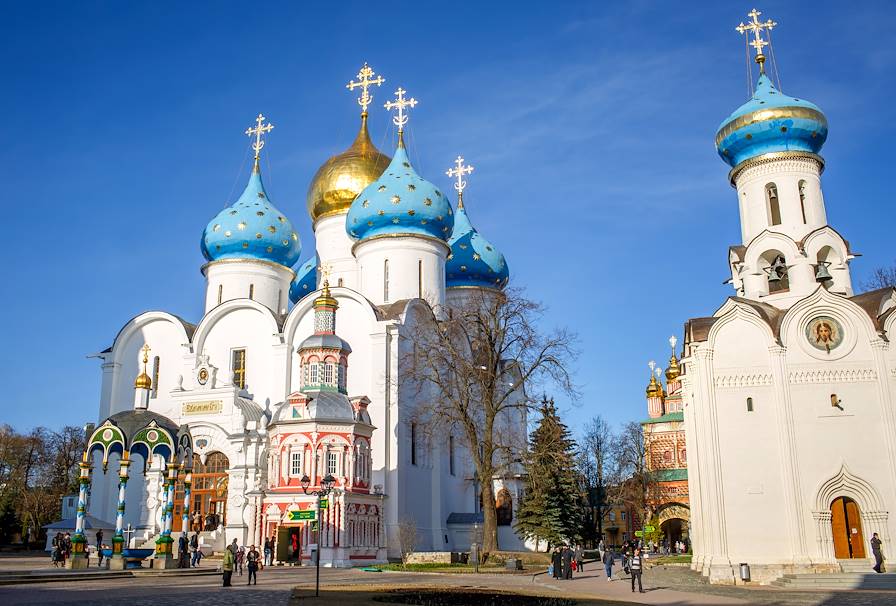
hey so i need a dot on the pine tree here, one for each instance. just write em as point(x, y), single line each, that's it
point(552, 506)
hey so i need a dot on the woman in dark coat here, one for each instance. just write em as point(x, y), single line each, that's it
point(557, 562)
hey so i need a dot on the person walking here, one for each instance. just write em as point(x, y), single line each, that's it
point(567, 562)
point(556, 563)
point(227, 565)
point(877, 553)
point(580, 559)
point(252, 558)
point(99, 546)
point(267, 552)
point(635, 564)
point(240, 558)
point(608, 563)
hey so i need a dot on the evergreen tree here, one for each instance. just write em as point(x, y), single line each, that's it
point(552, 506)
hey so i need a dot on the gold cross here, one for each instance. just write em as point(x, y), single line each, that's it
point(145, 349)
point(325, 270)
point(259, 130)
point(400, 103)
point(365, 79)
point(755, 26)
point(459, 171)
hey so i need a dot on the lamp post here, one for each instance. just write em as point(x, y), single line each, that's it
point(326, 486)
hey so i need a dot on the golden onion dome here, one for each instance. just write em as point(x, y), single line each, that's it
point(143, 381)
point(344, 176)
point(654, 389)
point(674, 370)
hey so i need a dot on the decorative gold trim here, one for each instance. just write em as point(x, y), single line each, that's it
point(466, 287)
point(262, 261)
point(405, 235)
point(772, 157)
point(764, 115)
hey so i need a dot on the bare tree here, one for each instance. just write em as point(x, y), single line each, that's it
point(637, 487)
point(881, 277)
point(597, 468)
point(407, 538)
point(473, 370)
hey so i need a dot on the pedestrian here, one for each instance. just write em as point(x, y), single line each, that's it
point(227, 565)
point(240, 557)
point(183, 551)
point(267, 552)
point(635, 564)
point(608, 563)
point(567, 562)
point(625, 556)
point(877, 553)
point(273, 550)
point(194, 547)
point(580, 559)
point(252, 558)
point(556, 563)
point(66, 547)
point(99, 544)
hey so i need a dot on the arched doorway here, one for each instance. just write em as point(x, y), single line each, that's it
point(674, 530)
point(846, 526)
point(208, 493)
point(504, 506)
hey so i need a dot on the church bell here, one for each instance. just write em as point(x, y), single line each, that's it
point(821, 273)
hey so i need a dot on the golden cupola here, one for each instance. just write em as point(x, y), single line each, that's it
point(674, 370)
point(143, 381)
point(345, 175)
point(654, 387)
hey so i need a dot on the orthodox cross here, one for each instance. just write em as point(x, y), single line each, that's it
point(400, 103)
point(325, 270)
point(365, 80)
point(459, 171)
point(145, 349)
point(756, 27)
point(257, 131)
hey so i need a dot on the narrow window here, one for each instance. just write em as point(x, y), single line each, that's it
point(451, 455)
point(386, 280)
point(802, 186)
point(413, 443)
point(773, 205)
point(339, 282)
point(279, 299)
point(238, 367)
point(331, 462)
point(749, 404)
point(220, 293)
point(251, 291)
point(622, 515)
point(315, 373)
point(419, 279)
point(155, 376)
point(295, 463)
point(328, 373)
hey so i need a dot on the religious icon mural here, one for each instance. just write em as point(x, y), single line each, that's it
point(824, 333)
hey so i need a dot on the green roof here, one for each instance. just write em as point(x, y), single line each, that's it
point(670, 475)
point(666, 418)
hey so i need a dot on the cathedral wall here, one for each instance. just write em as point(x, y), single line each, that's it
point(393, 269)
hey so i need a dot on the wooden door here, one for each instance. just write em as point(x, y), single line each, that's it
point(846, 526)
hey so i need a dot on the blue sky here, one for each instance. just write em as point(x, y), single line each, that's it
point(590, 125)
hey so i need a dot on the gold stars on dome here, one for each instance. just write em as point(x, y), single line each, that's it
point(400, 118)
point(143, 381)
point(257, 131)
point(459, 171)
point(755, 27)
point(365, 81)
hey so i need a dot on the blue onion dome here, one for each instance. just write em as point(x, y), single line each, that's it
point(305, 281)
point(473, 261)
point(400, 202)
point(771, 122)
point(252, 228)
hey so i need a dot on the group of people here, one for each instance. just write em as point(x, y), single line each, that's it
point(210, 521)
point(565, 559)
point(235, 557)
point(62, 549)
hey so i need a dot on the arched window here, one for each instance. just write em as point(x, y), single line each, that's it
point(339, 282)
point(773, 205)
point(220, 293)
point(802, 187)
point(314, 378)
point(778, 280)
point(328, 373)
point(251, 291)
point(419, 279)
point(386, 280)
point(341, 377)
point(667, 456)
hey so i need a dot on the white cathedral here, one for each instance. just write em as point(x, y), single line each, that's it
point(273, 391)
point(790, 386)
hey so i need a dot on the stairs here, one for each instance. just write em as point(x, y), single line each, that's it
point(857, 574)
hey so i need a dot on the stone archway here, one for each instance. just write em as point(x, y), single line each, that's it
point(845, 502)
point(674, 520)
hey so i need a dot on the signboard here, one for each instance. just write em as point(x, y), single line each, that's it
point(202, 407)
point(639, 533)
point(649, 529)
point(325, 503)
point(303, 514)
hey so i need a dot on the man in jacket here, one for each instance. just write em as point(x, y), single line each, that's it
point(877, 553)
point(635, 565)
point(227, 566)
point(567, 562)
point(556, 563)
point(608, 563)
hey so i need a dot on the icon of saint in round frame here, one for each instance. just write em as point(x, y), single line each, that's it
point(824, 333)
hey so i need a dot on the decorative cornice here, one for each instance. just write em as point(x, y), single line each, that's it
point(743, 380)
point(773, 157)
point(837, 375)
point(402, 235)
point(276, 266)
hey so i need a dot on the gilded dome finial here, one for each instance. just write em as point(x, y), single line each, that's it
point(459, 171)
point(365, 80)
point(143, 381)
point(257, 131)
point(674, 370)
point(400, 118)
point(756, 27)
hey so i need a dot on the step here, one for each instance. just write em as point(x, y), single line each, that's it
point(837, 581)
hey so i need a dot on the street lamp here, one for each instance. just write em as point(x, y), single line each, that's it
point(326, 486)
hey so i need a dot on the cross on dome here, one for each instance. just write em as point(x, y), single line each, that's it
point(756, 27)
point(325, 269)
point(400, 118)
point(257, 131)
point(365, 80)
point(145, 349)
point(459, 170)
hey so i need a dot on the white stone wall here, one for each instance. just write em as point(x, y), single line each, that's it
point(267, 283)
